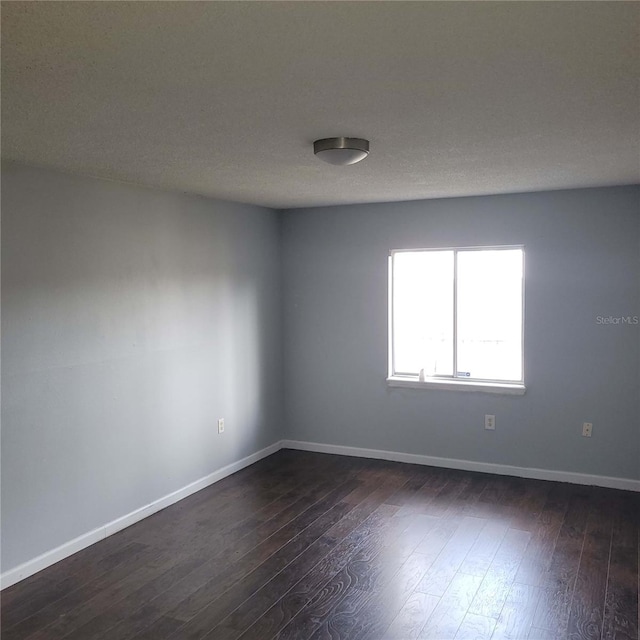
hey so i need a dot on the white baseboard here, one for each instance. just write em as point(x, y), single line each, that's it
point(77, 544)
point(627, 484)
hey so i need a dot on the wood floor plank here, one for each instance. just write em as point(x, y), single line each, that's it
point(560, 578)
point(95, 561)
point(246, 614)
point(408, 491)
point(437, 538)
point(130, 616)
point(544, 534)
point(411, 618)
point(384, 605)
point(126, 617)
point(440, 503)
point(364, 541)
point(52, 592)
point(465, 502)
point(475, 627)
point(271, 564)
point(479, 558)
point(516, 617)
point(491, 502)
point(622, 600)
point(444, 622)
point(418, 500)
point(210, 580)
point(496, 583)
point(366, 611)
point(586, 615)
point(259, 590)
point(364, 569)
point(529, 509)
point(90, 608)
point(304, 545)
point(545, 634)
point(210, 515)
point(84, 594)
point(453, 554)
point(85, 561)
point(163, 627)
point(113, 582)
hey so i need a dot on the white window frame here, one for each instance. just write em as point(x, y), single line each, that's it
point(452, 383)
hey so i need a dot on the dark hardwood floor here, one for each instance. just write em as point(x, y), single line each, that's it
point(311, 546)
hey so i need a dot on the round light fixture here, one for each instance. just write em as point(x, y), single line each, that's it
point(341, 151)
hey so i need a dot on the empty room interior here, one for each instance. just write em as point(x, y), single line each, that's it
point(320, 320)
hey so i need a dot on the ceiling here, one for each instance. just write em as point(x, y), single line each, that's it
point(226, 98)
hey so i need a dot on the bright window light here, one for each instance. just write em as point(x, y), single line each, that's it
point(457, 314)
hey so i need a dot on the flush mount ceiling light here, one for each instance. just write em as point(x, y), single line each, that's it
point(341, 151)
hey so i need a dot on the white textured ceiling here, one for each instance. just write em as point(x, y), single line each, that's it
point(226, 98)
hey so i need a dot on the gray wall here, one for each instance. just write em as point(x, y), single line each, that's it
point(582, 261)
point(132, 320)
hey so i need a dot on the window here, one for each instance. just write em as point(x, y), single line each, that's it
point(456, 318)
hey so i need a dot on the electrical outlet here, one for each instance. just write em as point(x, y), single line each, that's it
point(221, 425)
point(587, 428)
point(490, 422)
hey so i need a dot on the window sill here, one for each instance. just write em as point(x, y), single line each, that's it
point(504, 388)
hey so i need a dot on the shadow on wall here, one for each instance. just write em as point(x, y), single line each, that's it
point(132, 320)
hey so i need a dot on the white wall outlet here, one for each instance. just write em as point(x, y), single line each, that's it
point(221, 425)
point(587, 428)
point(489, 422)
